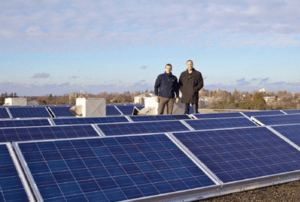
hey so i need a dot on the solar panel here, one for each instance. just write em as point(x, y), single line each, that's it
point(278, 120)
point(126, 110)
point(159, 117)
point(112, 111)
point(241, 154)
point(292, 132)
point(24, 122)
point(60, 111)
point(11, 185)
point(46, 133)
point(220, 123)
point(3, 113)
point(142, 127)
point(263, 113)
point(219, 115)
point(109, 169)
point(139, 107)
point(29, 112)
point(292, 111)
point(90, 120)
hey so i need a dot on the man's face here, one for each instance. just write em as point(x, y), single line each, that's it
point(168, 69)
point(189, 65)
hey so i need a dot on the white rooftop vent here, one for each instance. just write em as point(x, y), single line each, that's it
point(92, 106)
point(16, 101)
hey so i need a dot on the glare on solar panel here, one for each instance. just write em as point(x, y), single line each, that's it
point(241, 154)
point(220, 123)
point(89, 120)
point(24, 122)
point(28, 112)
point(110, 169)
point(46, 133)
point(13, 186)
point(141, 127)
point(159, 117)
point(278, 119)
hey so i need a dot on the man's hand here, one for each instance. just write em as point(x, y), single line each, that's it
point(177, 100)
point(157, 99)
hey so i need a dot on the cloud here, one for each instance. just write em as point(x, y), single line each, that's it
point(242, 82)
point(74, 77)
point(143, 67)
point(100, 24)
point(263, 81)
point(41, 76)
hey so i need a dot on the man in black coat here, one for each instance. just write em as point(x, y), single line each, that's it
point(166, 87)
point(190, 82)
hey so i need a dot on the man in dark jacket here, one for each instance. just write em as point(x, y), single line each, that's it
point(166, 86)
point(190, 82)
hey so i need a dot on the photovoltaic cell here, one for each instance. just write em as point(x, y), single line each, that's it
point(292, 111)
point(139, 107)
point(11, 187)
point(29, 112)
point(159, 117)
point(3, 113)
point(292, 132)
point(279, 120)
point(241, 154)
point(220, 123)
point(126, 110)
point(111, 169)
point(91, 120)
point(61, 111)
point(24, 122)
point(112, 111)
point(142, 127)
point(46, 133)
point(263, 113)
point(219, 115)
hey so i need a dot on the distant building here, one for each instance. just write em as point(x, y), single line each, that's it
point(140, 99)
point(262, 90)
point(269, 98)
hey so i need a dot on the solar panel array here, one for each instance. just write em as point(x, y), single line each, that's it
point(11, 186)
point(126, 110)
point(240, 154)
point(220, 123)
point(263, 113)
point(29, 112)
point(90, 120)
point(46, 133)
point(291, 132)
point(24, 122)
point(219, 115)
point(3, 113)
point(141, 127)
point(61, 111)
point(111, 169)
point(111, 111)
point(278, 120)
point(292, 111)
point(159, 117)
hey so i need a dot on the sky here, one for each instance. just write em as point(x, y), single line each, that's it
point(64, 46)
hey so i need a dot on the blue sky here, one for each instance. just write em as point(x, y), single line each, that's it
point(61, 47)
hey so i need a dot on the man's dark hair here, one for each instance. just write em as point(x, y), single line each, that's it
point(189, 61)
point(168, 65)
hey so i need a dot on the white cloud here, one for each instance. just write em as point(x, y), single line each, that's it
point(41, 76)
point(134, 22)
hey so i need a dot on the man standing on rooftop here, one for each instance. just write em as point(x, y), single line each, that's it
point(190, 82)
point(165, 88)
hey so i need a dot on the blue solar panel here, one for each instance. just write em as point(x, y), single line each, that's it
point(292, 111)
point(219, 115)
point(292, 132)
point(111, 169)
point(91, 120)
point(11, 187)
point(220, 123)
point(279, 120)
point(3, 113)
point(29, 112)
point(263, 113)
point(240, 154)
point(159, 117)
point(126, 110)
point(46, 133)
point(60, 111)
point(112, 111)
point(142, 127)
point(24, 122)
point(139, 107)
